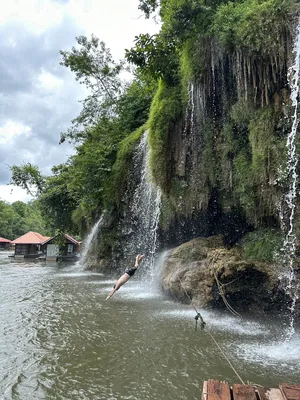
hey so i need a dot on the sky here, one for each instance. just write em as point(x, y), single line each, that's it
point(38, 97)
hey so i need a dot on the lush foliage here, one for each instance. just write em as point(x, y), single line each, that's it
point(28, 177)
point(155, 56)
point(18, 218)
point(254, 26)
point(94, 67)
point(116, 186)
point(165, 111)
point(148, 6)
point(262, 245)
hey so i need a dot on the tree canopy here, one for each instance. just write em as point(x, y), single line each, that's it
point(18, 218)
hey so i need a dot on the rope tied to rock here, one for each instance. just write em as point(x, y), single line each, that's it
point(222, 294)
point(221, 288)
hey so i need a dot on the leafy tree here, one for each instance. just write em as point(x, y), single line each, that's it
point(134, 104)
point(155, 57)
point(28, 177)
point(57, 200)
point(20, 208)
point(94, 67)
point(18, 218)
point(148, 6)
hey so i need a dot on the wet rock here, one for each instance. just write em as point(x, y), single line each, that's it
point(206, 272)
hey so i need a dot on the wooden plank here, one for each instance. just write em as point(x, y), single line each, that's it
point(274, 394)
point(204, 391)
point(217, 390)
point(290, 391)
point(243, 392)
point(261, 391)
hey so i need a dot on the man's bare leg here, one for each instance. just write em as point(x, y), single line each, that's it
point(120, 282)
point(124, 278)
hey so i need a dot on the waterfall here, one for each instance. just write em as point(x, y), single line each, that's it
point(89, 244)
point(289, 245)
point(142, 219)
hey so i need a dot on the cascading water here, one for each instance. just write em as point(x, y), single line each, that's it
point(89, 244)
point(289, 246)
point(141, 221)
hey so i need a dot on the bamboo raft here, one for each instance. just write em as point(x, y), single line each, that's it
point(217, 390)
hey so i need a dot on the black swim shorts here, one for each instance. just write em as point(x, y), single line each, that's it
point(130, 271)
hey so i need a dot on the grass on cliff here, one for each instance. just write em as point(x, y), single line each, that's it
point(262, 245)
point(116, 186)
point(165, 113)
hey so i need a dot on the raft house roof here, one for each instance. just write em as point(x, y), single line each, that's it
point(31, 238)
point(3, 240)
point(65, 235)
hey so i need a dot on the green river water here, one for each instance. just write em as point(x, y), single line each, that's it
point(59, 339)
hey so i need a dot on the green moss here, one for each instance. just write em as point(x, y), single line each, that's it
point(252, 151)
point(167, 213)
point(116, 185)
point(262, 245)
point(186, 72)
point(242, 112)
point(164, 114)
point(243, 186)
point(266, 148)
point(82, 216)
point(107, 241)
point(194, 60)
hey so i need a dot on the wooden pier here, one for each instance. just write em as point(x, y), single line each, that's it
point(217, 390)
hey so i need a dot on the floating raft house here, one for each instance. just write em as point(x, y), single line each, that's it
point(217, 390)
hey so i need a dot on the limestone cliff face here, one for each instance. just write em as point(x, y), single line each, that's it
point(217, 138)
point(212, 274)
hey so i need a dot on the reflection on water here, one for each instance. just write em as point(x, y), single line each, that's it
point(59, 339)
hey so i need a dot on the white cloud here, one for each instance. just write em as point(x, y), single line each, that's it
point(116, 22)
point(11, 130)
point(48, 81)
point(35, 15)
point(13, 193)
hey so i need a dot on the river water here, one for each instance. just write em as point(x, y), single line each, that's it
point(59, 339)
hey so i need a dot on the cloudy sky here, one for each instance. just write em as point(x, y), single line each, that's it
point(38, 97)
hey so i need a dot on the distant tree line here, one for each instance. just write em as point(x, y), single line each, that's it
point(18, 218)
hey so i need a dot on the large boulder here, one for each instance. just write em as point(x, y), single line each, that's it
point(206, 272)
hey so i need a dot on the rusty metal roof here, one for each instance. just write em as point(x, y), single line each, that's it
point(3, 240)
point(30, 238)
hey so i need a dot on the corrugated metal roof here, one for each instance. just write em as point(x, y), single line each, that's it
point(71, 238)
point(3, 240)
point(66, 236)
point(31, 238)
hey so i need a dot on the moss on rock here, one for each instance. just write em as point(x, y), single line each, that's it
point(164, 114)
point(117, 183)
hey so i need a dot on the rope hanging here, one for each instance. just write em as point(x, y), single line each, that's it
point(202, 325)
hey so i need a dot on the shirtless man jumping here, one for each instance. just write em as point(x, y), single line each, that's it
point(129, 272)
